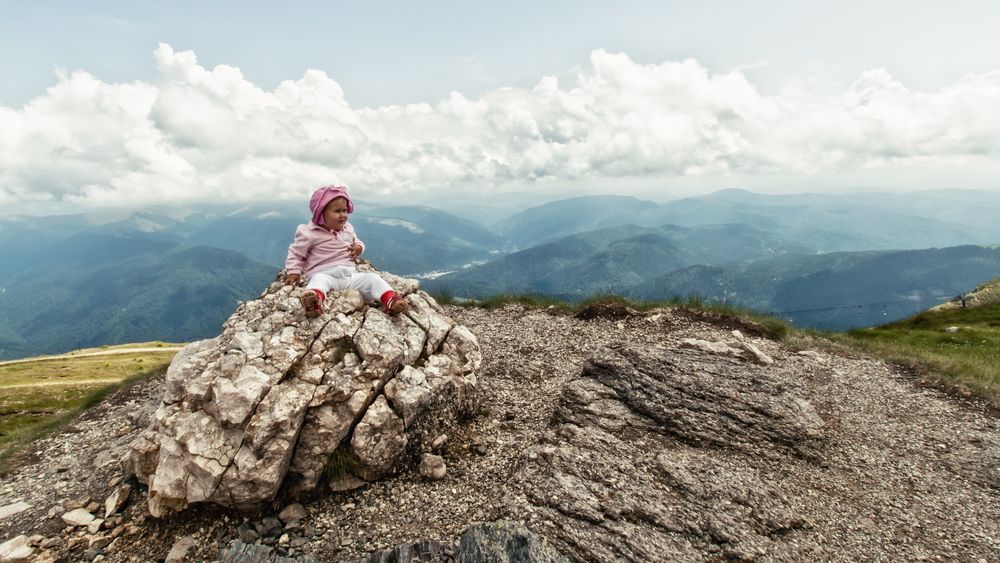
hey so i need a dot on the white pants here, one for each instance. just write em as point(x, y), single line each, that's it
point(370, 284)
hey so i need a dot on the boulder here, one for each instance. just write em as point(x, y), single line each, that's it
point(262, 408)
point(292, 512)
point(241, 552)
point(497, 542)
point(650, 445)
point(433, 467)
point(505, 541)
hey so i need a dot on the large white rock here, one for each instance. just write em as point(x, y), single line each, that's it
point(435, 325)
point(16, 549)
point(414, 388)
point(78, 517)
point(13, 508)
point(263, 407)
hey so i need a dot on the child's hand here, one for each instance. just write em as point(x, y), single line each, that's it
point(292, 279)
point(355, 250)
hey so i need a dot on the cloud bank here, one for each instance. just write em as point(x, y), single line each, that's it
point(196, 134)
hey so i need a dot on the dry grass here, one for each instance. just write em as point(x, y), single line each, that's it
point(154, 344)
point(41, 395)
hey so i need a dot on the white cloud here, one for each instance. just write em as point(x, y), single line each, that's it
point(200, 134)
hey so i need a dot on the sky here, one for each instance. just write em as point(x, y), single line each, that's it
point(107, 104)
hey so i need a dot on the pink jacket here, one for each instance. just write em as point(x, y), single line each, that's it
point(317, 248)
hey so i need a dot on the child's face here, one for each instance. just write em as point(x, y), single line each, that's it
point(335, 214)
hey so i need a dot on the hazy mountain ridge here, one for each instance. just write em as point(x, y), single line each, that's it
point(98, 289)
point(863, 221)
point(175, 274)
point(836, 291)
point(543, 223)
point(736, 265)
point(404, 240)
point(612, 259)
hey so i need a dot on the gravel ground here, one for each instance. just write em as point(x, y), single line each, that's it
point(907, 471)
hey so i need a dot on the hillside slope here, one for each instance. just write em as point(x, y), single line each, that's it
point(91, 290)
point(954, 345)
point(38, 392)
point(984, 294)
point(814, 456)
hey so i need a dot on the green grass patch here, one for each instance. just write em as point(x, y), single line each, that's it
point(967, 359)
point(37, 397)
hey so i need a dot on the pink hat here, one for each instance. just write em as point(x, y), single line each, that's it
point(325, 195)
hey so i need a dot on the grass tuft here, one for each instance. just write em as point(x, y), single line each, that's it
point(341, 463)
point(766, 325)
point(444, 298)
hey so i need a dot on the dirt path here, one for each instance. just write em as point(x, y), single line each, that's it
point(75, 382)
point(70, 355)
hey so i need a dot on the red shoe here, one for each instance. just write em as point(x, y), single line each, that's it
point(311, 302)
point(396, 305)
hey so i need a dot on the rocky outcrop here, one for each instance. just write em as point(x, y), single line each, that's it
point(646, 457)
point(505, 541)
point(267, 403)
point(693, 397)
point(644, 451)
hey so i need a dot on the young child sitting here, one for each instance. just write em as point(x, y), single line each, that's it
point(326, 248)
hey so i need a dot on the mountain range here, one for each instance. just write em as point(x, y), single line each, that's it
point(836, 291)
point(611, 259)
point(861, 221)
point(173, 273)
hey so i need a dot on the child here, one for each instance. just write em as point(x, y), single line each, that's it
point(326, 248)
